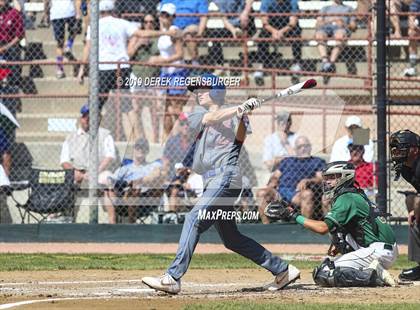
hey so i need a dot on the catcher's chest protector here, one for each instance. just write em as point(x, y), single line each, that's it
point(338, 236)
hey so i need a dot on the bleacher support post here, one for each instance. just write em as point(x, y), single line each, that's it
point(381, 99)
point(93, 110)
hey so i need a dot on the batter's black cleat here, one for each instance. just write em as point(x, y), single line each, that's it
point(412, 274)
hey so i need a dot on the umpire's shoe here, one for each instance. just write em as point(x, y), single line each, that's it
point(163, 283)
point(412, 274)
point(284, 279)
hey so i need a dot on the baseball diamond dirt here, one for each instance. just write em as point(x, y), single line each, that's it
point(95, 289)
point(123, 289)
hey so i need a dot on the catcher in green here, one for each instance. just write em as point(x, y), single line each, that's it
point(364, 242)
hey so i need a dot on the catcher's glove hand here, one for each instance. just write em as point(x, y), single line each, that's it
point(281, 210)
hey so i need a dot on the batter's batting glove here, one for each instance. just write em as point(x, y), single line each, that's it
point(248, 106)
point(281, 210)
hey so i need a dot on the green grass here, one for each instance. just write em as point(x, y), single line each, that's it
point(229, 305)
point(10, 262)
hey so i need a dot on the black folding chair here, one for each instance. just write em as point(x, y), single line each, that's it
point(49, 192)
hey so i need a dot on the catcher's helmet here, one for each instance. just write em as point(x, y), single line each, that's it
point(400, 143)
point(344, 175)
point(214, 84)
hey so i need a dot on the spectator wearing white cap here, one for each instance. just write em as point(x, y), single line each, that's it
point(191, 26)
point(114, 36)
point(340, 150)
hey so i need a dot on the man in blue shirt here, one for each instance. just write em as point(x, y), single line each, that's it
point(144, 179)
point(192, 26)
point(297, 180)
point(280, 28)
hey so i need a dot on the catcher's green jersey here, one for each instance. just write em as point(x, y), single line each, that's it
point(351, 211)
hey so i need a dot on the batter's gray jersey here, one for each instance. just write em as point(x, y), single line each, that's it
point(216, 146)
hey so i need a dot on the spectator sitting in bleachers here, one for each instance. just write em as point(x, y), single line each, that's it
point(142, 177)
point(177, 147)
point(11, 32)
point(28, 18)
point(280, 143)
point(337, 27)
point(413, 31)
point(340, 151)
point(234, 26)
point(75, 153)
point(135, 7)
point(141, 49)
point(298, 180)
point(114, 36)
point(364, 174)
point(396, 7)
point(171, 53)
point(364, 7)
point(5, 153)
point(184, 188)
point(64, 13)
point(191, 26)
point(279, 28)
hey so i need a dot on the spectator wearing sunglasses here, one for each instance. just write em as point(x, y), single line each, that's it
point(298, 180)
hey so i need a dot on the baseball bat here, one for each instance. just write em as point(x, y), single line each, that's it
point(292, 90)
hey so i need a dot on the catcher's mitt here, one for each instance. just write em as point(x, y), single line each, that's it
point(280, 210)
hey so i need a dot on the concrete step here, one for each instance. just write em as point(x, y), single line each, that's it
point(49, 48)
point(46, 35)
point(50, 70)
point(52, 105)
point(232, 52)
point(47, 153)
point(39, 136)
point(66, 86)
point(39, 122)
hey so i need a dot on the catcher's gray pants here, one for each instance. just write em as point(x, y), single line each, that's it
point(220, 195)
point(362, 257)
point(414, 243)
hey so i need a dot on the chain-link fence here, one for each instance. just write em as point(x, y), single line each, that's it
point(403, 104)
point(147, 51)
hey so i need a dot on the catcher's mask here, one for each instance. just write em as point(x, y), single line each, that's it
point(337, 175)
point(400, 143)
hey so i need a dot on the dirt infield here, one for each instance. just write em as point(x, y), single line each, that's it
point(94, 289)
point(147, 248)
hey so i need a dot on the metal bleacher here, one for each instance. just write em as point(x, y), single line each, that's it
point(38, 113)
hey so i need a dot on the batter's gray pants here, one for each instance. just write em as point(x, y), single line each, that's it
point(214, 198)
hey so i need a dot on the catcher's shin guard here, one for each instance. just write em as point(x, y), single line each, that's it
point(345, 277)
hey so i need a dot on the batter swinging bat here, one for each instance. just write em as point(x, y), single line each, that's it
point(292, 90)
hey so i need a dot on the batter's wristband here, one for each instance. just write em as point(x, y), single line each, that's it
point(300, 219)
